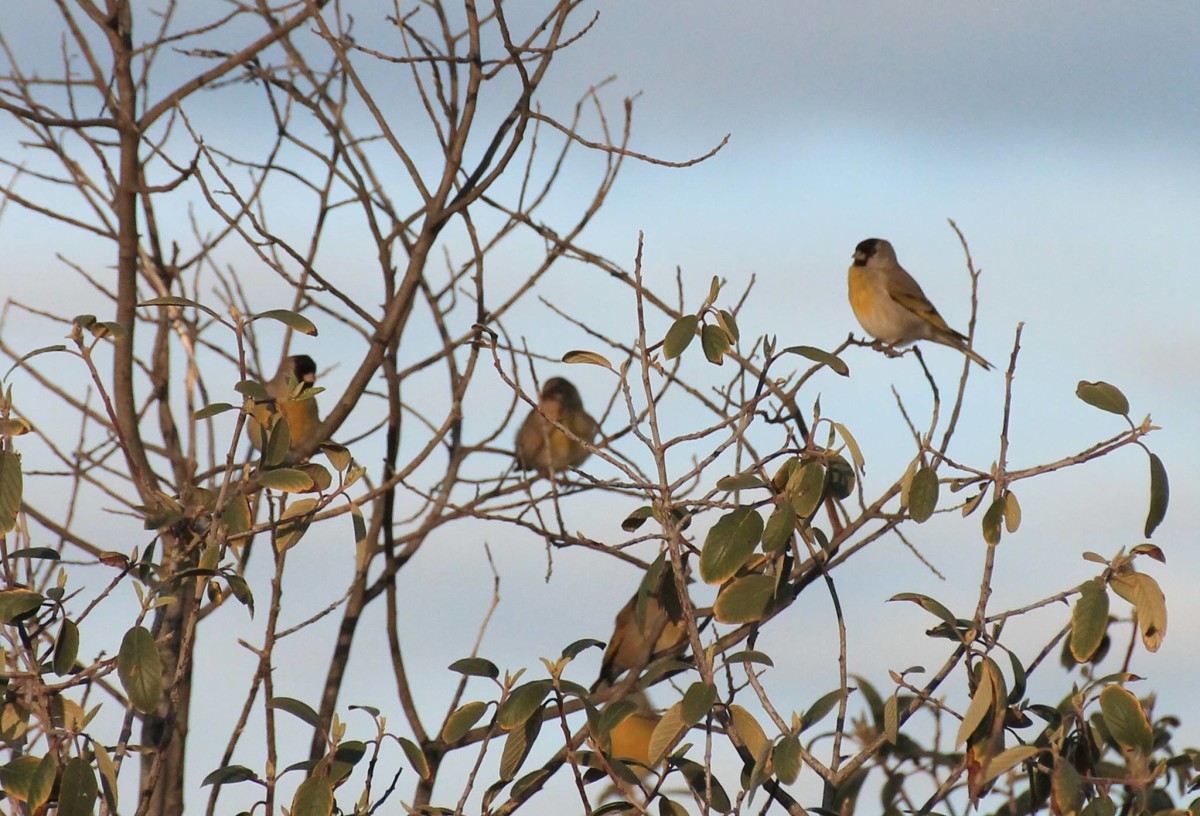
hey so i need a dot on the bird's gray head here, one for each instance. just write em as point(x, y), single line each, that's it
point(563, 391)
point(873, 248)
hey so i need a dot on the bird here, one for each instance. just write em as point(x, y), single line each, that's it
point(632, 646)
point(297, 374)
point(891, 306)
point(542, 447)
point(629, 739)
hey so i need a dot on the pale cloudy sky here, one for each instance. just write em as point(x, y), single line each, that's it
point(1061, 137)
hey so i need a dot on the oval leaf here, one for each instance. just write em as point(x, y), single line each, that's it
point(745, 600)
point(822, 357)
point(1089, 620)
point(178, 301)
point(1102, 395)
point(462, 720)
point(715, 343)
point(291, 319)
point(287, 480)
point(294, 522)
point(314, 797)
point(78, 790)
point(697, 701)
point(1126, 720)
point(729, 543)
point(1160, 495)
point(139, 665)
point(749, 730)
point(680, 336)
point(475, 667)
point(300, 710)
point(923, 494)
point(777, 535)
point(229, 775)
point(416, 757)
point(17, 602)
point(521, 703)
point(10, 489)
point(66, 648)
point(589, 357)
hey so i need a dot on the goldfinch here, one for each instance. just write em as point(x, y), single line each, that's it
point(891, 306)
point(544, 448)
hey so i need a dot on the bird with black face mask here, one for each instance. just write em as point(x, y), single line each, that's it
point(286, 391)
point(890, 305)
point(541, 446)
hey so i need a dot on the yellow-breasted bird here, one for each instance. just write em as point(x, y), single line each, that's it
point(630, 738)
point(542, 447)
point(890, 304)
point(296, 375)
point(662, 628)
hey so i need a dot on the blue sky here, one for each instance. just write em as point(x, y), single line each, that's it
point(1060, 137)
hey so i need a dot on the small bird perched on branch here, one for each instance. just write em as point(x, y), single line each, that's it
point(634, 644)
point(542, 447)
point(296, 375)
point(891, 306)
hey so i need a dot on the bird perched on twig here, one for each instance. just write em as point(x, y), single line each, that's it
point(286, 391)
point(540, 445)
point(634, 643)
point(891, 306)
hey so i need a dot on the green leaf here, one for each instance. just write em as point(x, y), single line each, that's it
point(679, 336)
point(923, 494)
point(517, 745)
point(415, 756)
point(1012, 512)
point(1126, 720)
point(475, 667)
point(139, 665)
point(697, 701)
point(588, 357)
point(462, 720)
point(573, 650)
point(637, 518)
point(698, 780)
point(229, 775)
point(729, 543)
point(1005, 761)
point(522, 702)
point(1089, 620)
point(1104, 396)
point(10, 489)
point(851, 444)
point(294, 522)
point(32, 354)
point(292, 320)
point(1066, 789)
point(213, 410)
point(28, 779)
point(777, 535)
point(15, 603)
point(714, 291)
point(785, 756)
point(991, 521)
point(314, 797)
point(750, 656)
point(666, 733)
point(301, 710)
point(77, 791)
point(745, 599)
point(178, 301)
point(823, 357)
point(729, 325)
point(1160, 495)
point(821, 708)
point(806, 488)
point(740, 481)
point(1148, 600)
point(236, 515)
point(44, 553)
point(66, 648)
point(288, 480)
point(338, 455)
point(749, 730)
point(928, 604)
point(715, 343)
